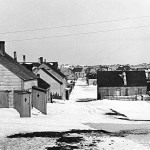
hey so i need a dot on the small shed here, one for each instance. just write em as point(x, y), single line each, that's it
point(4, 103)
point(39, 99)
point(22, 103)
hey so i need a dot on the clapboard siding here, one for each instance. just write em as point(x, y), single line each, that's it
point(9, 81)
point(111, 91)
point(55, 86)
point(28, 84)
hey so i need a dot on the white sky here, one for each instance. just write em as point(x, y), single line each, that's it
point(124, 46)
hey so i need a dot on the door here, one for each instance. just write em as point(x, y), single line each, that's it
point(67, 94)
point(39, 100)
point(26, 105)
point(4, 103)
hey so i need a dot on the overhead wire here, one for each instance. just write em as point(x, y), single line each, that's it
point(73, 25)
point(82, 33)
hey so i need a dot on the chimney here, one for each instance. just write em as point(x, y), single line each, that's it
point(40, 60)
point(2, 48)
point(55, 65)
point(15, 56)
point(24, 59)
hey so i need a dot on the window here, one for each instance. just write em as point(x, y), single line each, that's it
point(118, 92)
point(126, 92)
point(139, 91)
point(107, 92)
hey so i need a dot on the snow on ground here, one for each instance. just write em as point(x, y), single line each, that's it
point(77, 114)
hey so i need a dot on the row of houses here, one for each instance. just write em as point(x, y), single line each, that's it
point(26, 85)
point(19, 87)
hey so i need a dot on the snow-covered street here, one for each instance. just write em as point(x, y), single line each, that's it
point(84, 112)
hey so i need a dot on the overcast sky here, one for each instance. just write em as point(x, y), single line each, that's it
point(102, 44)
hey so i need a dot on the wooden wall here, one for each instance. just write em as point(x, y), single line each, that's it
point(55, 86)
point(91, 81)
point(10, 82)
point(59, 77)
point(111, 91)
point(39, 100)
point(28, 84)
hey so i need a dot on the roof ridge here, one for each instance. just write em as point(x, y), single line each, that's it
point(15, 67)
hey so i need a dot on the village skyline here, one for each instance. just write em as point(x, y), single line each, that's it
point(68, 31)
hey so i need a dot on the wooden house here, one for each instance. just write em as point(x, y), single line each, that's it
point(55, 78)
point(70, 76)
point(118, 84)
point(13, 76)
point(91, 78)
point(79, 73)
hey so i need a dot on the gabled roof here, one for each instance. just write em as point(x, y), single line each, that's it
point(56, 70)
point(63, 70)
point(42, 84)
point(114, 79)
point(15, 67)
point(51, 75)
point(123, 68)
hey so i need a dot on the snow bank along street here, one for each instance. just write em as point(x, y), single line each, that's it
point(84, 112)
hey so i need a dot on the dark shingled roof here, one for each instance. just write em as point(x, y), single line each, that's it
point(42, 84)
point(91, 76)
point(77, 69)
point(56, 70)
point(113, 78)
point(15, 67)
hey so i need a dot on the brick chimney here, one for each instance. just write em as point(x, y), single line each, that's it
point(2, 48)
point(24, 59)
point(15, 56)
point(40, 60)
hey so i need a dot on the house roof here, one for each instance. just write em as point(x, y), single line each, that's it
point(77, 69)
point(51, 75)
point(123, 68)
point(42, 84)
point(15, 67)
point(56, 70)
point(63, 70)
point(114, 79)
point(91, 76)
